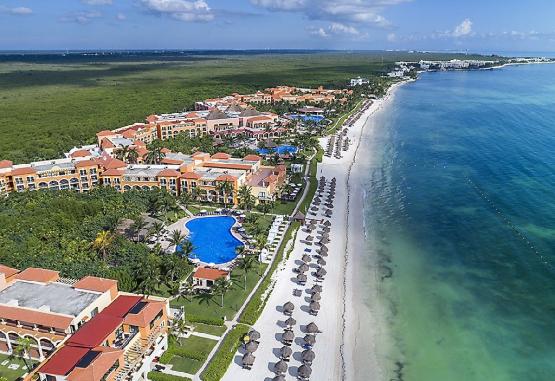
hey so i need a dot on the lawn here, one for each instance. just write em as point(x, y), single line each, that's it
point(10, 374)
point(285, 207)
point(209, 329)
point(200, 346)
point(208, 306)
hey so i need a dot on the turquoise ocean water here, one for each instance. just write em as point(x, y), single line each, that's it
point(460, 210)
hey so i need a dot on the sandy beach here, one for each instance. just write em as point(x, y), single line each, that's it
point(337, 320)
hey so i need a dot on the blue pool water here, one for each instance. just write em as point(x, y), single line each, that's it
point(308, 118)
point(282, 150)
point(212, 239)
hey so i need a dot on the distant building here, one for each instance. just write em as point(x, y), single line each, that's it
point(358, 81)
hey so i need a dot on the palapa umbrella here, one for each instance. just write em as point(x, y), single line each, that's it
point(328, 213)
point(286, 352)
point(301, 278)
point(316, 288)
point(279, 377)
point(254, 335)
point(251, 346)
point(309, 238)
point(308, 356)
point(306, 258)
point(325, 235)
point(280, 367)
point(288, 307)
point(312, 328)
point(321, 262)
point(324, 254)
point(303, 268)
point(314, 208)
point(287, 336)
point(248, 359)
point(316, 297)
point(327, 223)
point(324, 241)
point(310, 340)
point(304, 371)
point(290, 322)
point(321, 272)
point(315, 306)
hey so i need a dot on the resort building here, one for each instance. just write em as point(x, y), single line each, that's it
point(204, 277)
point(80, 330)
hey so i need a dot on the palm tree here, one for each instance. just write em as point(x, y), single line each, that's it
point(187, 289)
point(22, 349)
point(185, 199)
point(155, 155)
point(186, 248)
point(102, 243)
point(176, 239)
point(261, 241)
point(247, 263)
point(156, 229)
point(246, 199)
point(121, 154)
point(138, 225)
point(132, 156)
point(225, 188)
point(221, 287)
point(178, 329)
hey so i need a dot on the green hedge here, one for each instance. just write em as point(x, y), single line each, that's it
point(254, 308)
point(158, 376)
point(224, 356)
point(182, 351)
point(205, 320)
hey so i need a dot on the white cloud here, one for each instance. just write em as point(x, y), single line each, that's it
point(463, 29)
point(97, 2)
point(391, 37)
point(336, 29)
point(318, 32)
point(82, 17)
point(121, 17)
point(364, 12)
point(17, 11)
point(182, 10)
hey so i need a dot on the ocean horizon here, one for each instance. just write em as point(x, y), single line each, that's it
point(460, 220)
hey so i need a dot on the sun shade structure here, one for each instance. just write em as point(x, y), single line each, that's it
point(251, 347)
point(316, 297)
point(304, 371)
point(303, 268)
point(248, 359)
point(315, 306)
point(308, 355)
point(288, 336)
point(279, 378)
point(312, 328)
point(281, 367)
point(286, 352)
point(310, 340)
point(301, 278)
point(316, 288)
point(254, 335)
point(306, 258)
point(290, 322)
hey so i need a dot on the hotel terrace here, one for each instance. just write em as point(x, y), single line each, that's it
point(80, 330)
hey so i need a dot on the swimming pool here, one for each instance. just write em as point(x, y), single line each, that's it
point(212, 239)
point(307, 118)
point(281, 150)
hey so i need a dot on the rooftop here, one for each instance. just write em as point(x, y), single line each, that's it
point(51, 297)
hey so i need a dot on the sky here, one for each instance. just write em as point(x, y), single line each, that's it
point(486, 26)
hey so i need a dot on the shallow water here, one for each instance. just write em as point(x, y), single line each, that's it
point(461, 208)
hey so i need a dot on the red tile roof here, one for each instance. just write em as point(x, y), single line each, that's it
point(221, 155)
point(121, 305)
point(96, 370)
point(252, 158)
point(38, 275)
point(226, 178)
point(225, 165)
point(6, 164)
point(80, 153)
point(94, 332)
point(64, 360)
point(93, 283)
point(85, 163)
point(191, 176)
point(105, 133)
point(105, 143)
point(168, 173)
point(146, 315)
point(210, 274)
point(35, 317)
point(23, 171)
point(113, 172)
point(8, 271)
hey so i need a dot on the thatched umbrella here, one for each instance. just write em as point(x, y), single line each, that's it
point(316, 297)
point(312, 328)
point(280, 367)
point(310, 340)
point(308, 356)
point(324, 254)
point(290, 322)
point(327, 223)
point(286, 352)
point(326, 229)
point(287, 337)
point(248, 359)
point(321, 272)
point(314, 208)
point(321, 262)
point(323, 248)
point(279, 377)
point(251, 346)
point(325, 235)
point(328, 213)
point(324, 241)
point(288, 307)
point(315, 306)
point(309, 238)
point(303, 268)
point(304, 371)
point(301, 278)
point(306, 258)
point(254, 335)
point(316, 288)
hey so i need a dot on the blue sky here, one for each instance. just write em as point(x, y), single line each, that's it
point(485, 26)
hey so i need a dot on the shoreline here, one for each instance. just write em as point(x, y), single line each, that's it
point(356, 240)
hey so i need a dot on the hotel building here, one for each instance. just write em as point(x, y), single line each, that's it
point(80, 330)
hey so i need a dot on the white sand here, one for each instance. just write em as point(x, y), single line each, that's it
point(332, 362)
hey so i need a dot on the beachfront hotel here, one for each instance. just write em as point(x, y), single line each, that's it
point(80, 329)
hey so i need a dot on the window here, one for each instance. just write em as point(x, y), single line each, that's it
point(83, 172)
